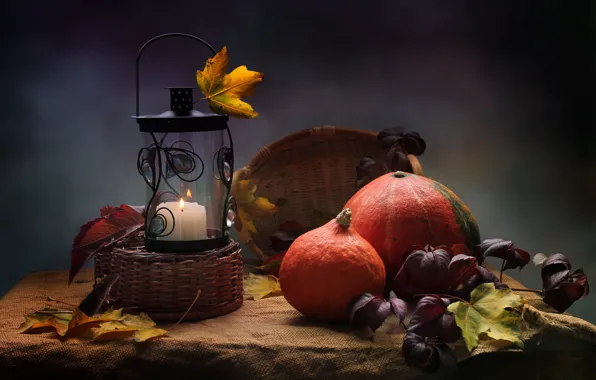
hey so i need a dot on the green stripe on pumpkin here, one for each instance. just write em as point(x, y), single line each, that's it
point(463, 216)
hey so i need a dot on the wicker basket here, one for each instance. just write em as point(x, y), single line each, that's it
point(313, 171)
point(165, 285)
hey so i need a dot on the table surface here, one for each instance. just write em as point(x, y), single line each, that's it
point(264, 339)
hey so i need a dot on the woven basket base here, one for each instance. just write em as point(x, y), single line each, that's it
point(164, 286)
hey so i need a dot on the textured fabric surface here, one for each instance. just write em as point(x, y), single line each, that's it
point(264, 339)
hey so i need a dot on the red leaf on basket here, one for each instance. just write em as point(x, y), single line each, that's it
point(101, 233)
point(107, 210)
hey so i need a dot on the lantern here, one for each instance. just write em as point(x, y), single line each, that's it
point(188, 170)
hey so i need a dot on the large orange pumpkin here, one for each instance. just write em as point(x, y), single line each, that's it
point(326, 269)
point(398, 210)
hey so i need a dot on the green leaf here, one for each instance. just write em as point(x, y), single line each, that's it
point(494, 312)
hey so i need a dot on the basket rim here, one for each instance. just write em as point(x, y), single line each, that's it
point(325, 131)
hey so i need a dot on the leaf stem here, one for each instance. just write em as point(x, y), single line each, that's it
point(443, 295)
point(526, 290)
point(190, 307)
point(501, 273)
point(62, 302)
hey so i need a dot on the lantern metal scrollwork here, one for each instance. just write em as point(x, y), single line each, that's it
point(188, 170)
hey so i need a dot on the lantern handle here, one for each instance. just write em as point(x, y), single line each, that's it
point(159, 38)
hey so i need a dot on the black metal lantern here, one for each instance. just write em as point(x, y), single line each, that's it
point(188, 169)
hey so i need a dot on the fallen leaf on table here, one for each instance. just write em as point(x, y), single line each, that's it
point(223, 91)
point(112, 324)
point(79, 318)
point(112, 330)
point(141, 327)
point(257, 286)
point(46, 319)
point(494, 312)
point(101, 233)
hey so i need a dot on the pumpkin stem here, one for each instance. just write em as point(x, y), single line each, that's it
point(399, 174)
point(344, 218)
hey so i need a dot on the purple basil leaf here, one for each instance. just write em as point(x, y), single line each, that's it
point(389, 136)
point(447, 328)
point(425, 271)
point(413, 143)
point(482, 276)
point(369, 311)
point(419, 353)
point(364, 172)
point(447, 359)
point(555, 269)
point(397, 160)
point(571, 289)
point(461, 269)
point(427, 309)
point(430, 320)
point(410, 142)
point(506, 250)
point(427, 354)
point(398, 306)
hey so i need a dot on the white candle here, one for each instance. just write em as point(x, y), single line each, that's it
point(190, 220)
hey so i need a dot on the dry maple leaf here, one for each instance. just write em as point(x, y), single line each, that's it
point(45, 319)
point(223, 91)
point(491, 311)
point(249, 207)
point(257, 287)
point(141, 327)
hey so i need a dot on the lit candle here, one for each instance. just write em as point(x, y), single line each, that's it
point(190, 220)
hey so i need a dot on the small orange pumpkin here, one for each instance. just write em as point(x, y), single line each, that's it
point(326, 269)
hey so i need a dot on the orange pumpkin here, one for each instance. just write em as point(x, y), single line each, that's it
point(399, 210)
point(326, 269)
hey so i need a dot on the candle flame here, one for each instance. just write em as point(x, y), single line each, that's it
point(188, 194)
point(181, 204)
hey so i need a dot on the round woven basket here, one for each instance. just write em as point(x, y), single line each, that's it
point(164, 286)
point(311, 172)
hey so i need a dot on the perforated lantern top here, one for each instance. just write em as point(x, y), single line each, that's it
point(181, 117)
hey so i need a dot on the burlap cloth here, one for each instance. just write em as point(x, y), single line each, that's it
point(267, 339)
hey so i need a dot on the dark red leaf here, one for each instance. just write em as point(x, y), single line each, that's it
point(92, 303)
point(411, 142)
point(101, 233)
point(424, 271)
point(482, 276)
point(365, 172)
point(560, 287)
point(398, 306)
point(107, 210)
point(397, 160)
point(461, 269)
point(369, 311)
point(426, 354)
point(431, 320)
point(503, 249)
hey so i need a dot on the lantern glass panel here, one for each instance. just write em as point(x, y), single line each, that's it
point(189, 175)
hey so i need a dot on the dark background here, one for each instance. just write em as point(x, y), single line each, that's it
point(503, 92)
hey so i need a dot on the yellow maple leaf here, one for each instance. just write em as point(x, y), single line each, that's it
point(223, 91)
point(46, 319)
point(141, 327)
point(249, 206)
point(257, 286)
point(79, 318)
